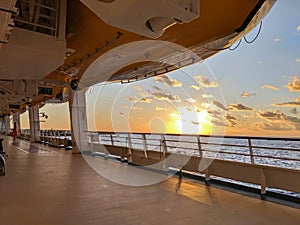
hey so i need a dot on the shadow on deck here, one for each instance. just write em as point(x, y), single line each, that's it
point(49, 186)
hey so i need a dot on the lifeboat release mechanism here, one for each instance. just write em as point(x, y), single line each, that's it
point(143, 17)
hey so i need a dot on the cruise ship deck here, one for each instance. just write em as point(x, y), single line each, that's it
point(49, 186)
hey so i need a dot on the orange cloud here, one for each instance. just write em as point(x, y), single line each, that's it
point(288, 104)
point(219, 105)
point(195, 87)
point(167, 81)
point(239, 107)
point(245, 94)
point(207, 96)
point(140, 100)
point(294, 85)
point(205, 82)
point(274, 88)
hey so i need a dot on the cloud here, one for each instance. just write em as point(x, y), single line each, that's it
point(294, 85)
point(214, 112)
point(239, 107)
point(165, 96)
point(274, 88)
point(287, 104)
point(247, 115)
point(195, 87)
point(231, 120)
point(229, 117)
point(273, 126)
point(145, 100)
point(137, 88)
point(167, 81)
point(219, 105)
point(131, 99)
point(272, 115)
point(207, 96)
point(245, 94)
point(295, 121)
point(277, 40)
point(161, 95)
point(280, 118)
point(219, 123)
point(294, 111)
point(205, 82)
point(232, 123)
point(134, 99)
point(205, 105)
point(160, 109)
point(191, 100)
point(124, 115)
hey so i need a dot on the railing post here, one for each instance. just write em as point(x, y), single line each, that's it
point(251, 151)
point(145, 144)
point(129, 157)
point(200, 147)
point(207, 176)
point(163, 145)
point(263, 183)
point(112, 139)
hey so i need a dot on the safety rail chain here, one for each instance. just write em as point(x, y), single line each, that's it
point(281, 152)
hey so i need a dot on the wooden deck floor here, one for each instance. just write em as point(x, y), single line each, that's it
point(47, 186)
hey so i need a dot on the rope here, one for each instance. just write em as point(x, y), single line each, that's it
point(254, 39)
point(232, 49)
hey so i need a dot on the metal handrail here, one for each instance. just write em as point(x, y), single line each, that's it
point(246, 152)
point(238, 150)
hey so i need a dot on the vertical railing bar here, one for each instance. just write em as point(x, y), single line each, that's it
point(145, 144)
point(163, 145)
point(112, 139)
point(129, 157)
point(199, 147)
point(251, 151)
point(99, 137)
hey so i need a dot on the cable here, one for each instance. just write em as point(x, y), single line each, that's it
point(250, 42)
point(232, 49)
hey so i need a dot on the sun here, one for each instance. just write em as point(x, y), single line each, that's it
point(189, 121)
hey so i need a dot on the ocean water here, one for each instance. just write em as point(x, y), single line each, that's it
point(278, 153)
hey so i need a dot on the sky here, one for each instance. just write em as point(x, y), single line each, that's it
point(253, 90)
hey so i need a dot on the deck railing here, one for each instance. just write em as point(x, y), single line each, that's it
point(269, 151)
point(264, 161)
point(279, 152)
